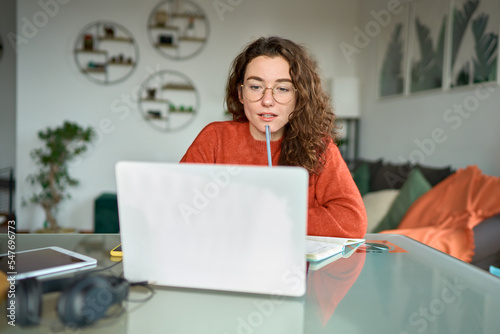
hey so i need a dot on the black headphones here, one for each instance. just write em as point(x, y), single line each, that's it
point(83, 301)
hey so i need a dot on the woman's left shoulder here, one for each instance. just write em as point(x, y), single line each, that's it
point(332, 157)
point(332, 148)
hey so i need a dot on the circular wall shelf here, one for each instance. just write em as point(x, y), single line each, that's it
point(168, 100)
point(178, 29)
point(106, 52)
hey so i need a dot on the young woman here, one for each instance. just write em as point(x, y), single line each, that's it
point(274, 82)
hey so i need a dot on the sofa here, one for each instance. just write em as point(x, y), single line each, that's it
point(454, 211)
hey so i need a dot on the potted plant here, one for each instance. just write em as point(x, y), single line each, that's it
point(62, 145)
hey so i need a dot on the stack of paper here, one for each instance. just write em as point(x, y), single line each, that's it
point(319, 248)
point(348, 251)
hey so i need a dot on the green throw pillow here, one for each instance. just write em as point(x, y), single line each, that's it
point(361, 176)
point(415, 186)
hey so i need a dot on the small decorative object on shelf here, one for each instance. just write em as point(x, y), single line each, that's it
point(168, 100)
point(178, 29)
point(190, 31)
point(165, 40)
point(88, 42)
point(95, 67)
point(161, 18)
point(106, 52)
point(151, 93)
point(109, 31)
point(154, 113)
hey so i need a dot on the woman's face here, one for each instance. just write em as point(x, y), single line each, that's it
point(261, 73)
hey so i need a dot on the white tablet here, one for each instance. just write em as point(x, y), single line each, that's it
point(43, 261)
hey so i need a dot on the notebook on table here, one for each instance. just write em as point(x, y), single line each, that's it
point(216, 227)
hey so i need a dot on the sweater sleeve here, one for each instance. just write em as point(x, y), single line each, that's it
point(336, 208)
point(202, 150)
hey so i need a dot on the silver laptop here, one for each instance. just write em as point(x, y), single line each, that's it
point(216, 227)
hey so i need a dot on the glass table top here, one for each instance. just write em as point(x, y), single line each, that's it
point(392, 284)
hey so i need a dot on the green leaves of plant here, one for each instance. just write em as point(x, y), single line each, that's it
point(485, 64)
point(391, 78)
point(61, 145)
point(428, 72)
point(460, 22)
point(486, 46)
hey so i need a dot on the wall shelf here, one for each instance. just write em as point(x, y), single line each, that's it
point(115, 39)
point(91, 51)
point(192, 39)
point(168, 100)
point(166, 45)
point(111, 63)
point(163, 27)
point(153, 100)
point(178, 87)
point(181, 111)
point(94, 70)
point(109, 47)
point(187, 15)
point(178, 29)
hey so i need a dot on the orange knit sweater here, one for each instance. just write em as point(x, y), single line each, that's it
point(335, 206)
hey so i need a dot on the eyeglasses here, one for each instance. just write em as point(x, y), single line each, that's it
point(283, 92)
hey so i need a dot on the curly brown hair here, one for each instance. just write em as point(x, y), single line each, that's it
point(310, 126)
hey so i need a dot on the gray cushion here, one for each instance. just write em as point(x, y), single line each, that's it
point(486, 239)
point(390, 176)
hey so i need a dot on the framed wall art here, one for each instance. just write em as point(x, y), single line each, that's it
point(474, 50)
point(391, 55)
point(427, 48)
point(439, 45)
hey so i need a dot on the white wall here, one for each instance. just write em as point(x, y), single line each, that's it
point(7, 86)
point(50, 88)
point(402, 128)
